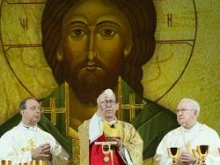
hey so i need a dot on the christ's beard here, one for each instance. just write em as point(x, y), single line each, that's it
point(88, 84)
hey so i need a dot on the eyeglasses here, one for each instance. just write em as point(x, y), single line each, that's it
point(184, 110)
point(111, 102)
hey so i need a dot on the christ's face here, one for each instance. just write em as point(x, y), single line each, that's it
point(96, 36)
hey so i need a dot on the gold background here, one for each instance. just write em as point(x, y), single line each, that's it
point(185, 63)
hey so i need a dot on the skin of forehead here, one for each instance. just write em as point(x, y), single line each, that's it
point(32, 102)
point(95, 12)
point(107, 95)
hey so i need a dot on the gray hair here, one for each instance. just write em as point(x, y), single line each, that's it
point(194, 103)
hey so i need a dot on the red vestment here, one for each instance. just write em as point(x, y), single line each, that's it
point(97, 157)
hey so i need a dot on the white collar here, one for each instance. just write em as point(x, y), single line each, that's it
point(111, 122)
point(195, 128)
point(31, 128)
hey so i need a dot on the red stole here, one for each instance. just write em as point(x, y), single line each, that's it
point(96, 157)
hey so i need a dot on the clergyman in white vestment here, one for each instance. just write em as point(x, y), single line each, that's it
point(188, 137)
point(27, 142)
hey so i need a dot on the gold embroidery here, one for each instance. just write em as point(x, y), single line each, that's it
point(112, 132)
point(30, 147)
point(188, 146)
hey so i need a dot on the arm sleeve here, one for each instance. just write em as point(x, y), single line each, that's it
point(95, 128)
point(9, 151)
point(213, 157)
point(161, 157)
point(133, 145)
point(125, 155)
point(59, 155)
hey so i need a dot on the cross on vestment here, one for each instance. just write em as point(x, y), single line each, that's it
point(188, 146)
point(30, 147)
